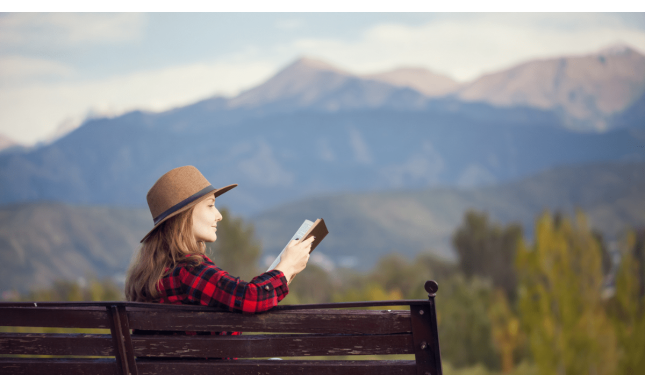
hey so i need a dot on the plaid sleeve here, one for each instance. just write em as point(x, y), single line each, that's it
point(212, 286)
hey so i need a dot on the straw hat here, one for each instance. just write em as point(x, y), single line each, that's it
point(177, 191)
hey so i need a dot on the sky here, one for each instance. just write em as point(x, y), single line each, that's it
point(57, 69)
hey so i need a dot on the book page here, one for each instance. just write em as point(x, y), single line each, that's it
point(306, 225)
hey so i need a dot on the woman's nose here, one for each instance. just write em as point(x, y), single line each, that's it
point(218, 216)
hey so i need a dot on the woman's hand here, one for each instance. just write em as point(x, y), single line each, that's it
point(295, 257)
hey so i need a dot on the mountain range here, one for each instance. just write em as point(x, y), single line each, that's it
point(314, 129)
point(585, 92)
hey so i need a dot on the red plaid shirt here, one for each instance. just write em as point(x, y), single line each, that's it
point(206, 284)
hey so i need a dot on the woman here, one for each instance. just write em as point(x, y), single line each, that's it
point(170, 266)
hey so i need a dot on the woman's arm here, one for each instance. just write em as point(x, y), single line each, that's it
point(209, 285)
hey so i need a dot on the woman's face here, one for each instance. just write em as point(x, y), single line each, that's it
point(205, 218)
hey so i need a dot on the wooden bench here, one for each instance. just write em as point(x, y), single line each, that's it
point(295, 331)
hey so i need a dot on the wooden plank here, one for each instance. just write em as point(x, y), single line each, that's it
point(277, 367)
point(117, 340)
point(49, 366)
point(357, 304)
point(129, 304)
point(54, 317)
point(301, 321)
point(127, 341)
point(271, 345)
point(55, 344)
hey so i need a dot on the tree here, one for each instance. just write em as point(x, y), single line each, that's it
point(66, 290)
point(505, 330)
point(236, 249)
point(560, 301)
point(464, 325)
point(311, 286)
point(627, 309)
point(393, 272)
point(488, 250)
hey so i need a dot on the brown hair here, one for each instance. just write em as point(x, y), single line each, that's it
point(171, 244)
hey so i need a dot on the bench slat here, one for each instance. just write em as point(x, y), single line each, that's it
point(55, 344)
point(54, 317)
point(272, 345)
point(49, 366)
point(277, 367)
point(297, 321)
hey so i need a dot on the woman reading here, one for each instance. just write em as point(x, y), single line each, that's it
point(171, 267)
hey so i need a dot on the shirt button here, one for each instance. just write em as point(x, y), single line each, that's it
point(267, 287)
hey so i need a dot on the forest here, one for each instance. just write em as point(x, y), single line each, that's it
point(561, 304)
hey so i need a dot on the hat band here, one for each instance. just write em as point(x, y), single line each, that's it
point(183, 203)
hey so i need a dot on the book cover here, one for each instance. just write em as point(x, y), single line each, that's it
point(318, 229)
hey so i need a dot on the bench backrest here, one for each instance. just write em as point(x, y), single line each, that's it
point(286, 331)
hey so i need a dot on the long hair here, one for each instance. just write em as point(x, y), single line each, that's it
point(171, 244)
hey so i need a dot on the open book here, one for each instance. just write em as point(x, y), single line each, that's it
point(317, 229)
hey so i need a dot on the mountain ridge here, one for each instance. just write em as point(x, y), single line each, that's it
point(584, 89)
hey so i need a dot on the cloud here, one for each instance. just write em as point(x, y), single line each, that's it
point(33, 112)
point(16, 69)
point(469, 46)
point(69, 29)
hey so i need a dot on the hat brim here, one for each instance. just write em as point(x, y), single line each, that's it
point(217, 192)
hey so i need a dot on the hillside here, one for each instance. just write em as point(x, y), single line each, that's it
point(366, 225)
point(282, 158)
point(40, 242)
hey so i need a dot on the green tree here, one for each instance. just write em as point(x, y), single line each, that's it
point(236, 250)
point(311, 286)
point(429, 266)
point(487, 250)
point(394, 273)
point(560, 299)
point(464, 325)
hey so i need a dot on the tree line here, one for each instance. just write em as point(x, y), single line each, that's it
point(557, 305)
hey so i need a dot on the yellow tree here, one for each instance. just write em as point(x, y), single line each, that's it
point(505, 330)
point(628, 312)
point(560, 283)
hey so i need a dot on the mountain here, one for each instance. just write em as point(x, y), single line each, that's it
point(422, 80)
point(311, 129)
point(313, 84)
point(365, 226)
point(281, 158)
point(41, 242)
point(6, 143)
point(584, 90)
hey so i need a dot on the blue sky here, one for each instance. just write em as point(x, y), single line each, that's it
point(58, 68)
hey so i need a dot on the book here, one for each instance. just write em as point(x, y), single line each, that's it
point(308, 228)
